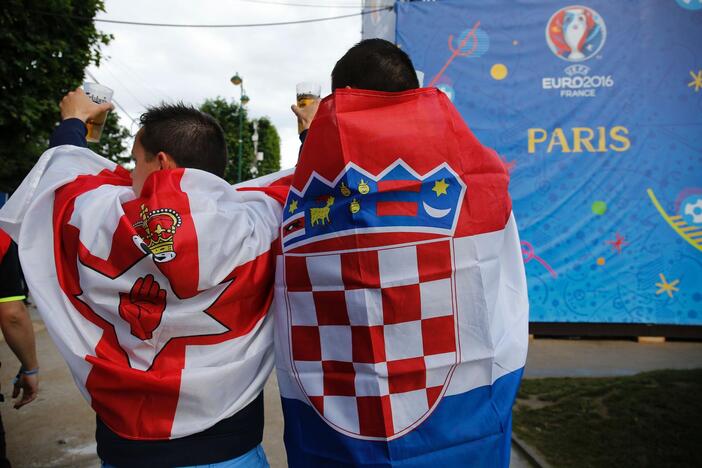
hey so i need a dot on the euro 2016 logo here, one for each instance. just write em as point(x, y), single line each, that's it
point(576, 33)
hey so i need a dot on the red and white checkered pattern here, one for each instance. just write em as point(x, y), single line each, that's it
point(373, 334)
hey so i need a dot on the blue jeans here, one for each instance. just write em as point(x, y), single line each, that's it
point(254, 458)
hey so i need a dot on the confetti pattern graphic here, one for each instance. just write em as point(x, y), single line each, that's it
point(696, 82)
point(691, 233)
point(598, 109)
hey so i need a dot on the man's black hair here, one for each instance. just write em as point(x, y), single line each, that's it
point(375, 64)
point(192, 138)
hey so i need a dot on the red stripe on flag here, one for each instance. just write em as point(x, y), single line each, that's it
point(396, 208)
point(296, 225)
point(399, 186)
point(4, 244)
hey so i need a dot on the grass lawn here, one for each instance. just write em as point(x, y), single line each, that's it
point(650, 419)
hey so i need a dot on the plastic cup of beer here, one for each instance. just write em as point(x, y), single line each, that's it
point(307, 93)
point(99, 94)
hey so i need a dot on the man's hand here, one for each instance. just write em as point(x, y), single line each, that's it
point(305, 114)
point(19, 335)
point(29, 386)
point(77, 105)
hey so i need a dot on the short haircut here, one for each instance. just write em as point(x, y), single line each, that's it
point(192, 138)
point(375, 64)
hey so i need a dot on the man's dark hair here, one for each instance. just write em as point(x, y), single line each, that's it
point(375, 64)
point(192, 138)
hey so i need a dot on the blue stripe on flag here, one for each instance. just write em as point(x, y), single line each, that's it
point(470, 429)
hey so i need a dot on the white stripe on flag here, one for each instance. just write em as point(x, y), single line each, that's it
point(493, 312)
point(232, 226)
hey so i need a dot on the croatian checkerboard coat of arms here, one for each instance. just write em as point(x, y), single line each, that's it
point(373, 327)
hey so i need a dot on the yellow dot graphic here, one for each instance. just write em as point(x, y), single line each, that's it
point(601, 261)
point(498, 71)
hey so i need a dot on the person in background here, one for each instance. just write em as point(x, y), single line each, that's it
point(17, 329)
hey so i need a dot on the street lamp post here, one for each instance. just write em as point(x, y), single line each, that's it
point(258, 154)
point(254, 140)
point(243, 99)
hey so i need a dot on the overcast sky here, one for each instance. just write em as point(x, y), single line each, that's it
point(147, 65)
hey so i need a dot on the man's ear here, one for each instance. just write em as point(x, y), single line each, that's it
point(165, 160)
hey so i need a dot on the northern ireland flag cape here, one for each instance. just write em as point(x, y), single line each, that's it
point(401, 304)
point(158, 303)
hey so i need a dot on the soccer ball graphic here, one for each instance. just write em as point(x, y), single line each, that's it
point(692, 210)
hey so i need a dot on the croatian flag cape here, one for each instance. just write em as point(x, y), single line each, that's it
point(401, 306)
point(158, 303)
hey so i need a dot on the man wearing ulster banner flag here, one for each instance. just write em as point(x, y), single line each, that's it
point(155, 287)
point(401, 305)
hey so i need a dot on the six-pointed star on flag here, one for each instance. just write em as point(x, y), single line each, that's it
point(179, 318)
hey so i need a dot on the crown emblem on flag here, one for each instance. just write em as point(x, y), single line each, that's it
point(157, 229)
point(398, 199)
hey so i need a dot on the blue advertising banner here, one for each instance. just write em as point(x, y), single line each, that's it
point(597, 110)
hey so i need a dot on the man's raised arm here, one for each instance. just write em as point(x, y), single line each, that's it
point(76, 109)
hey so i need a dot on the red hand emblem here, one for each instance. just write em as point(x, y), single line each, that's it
point(143, 307)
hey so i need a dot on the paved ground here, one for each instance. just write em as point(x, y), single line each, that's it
point(57, 430)
point(594, 358)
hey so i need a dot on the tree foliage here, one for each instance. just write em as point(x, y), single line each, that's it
point(227, 113)
point(269, 144)
point(45, 45)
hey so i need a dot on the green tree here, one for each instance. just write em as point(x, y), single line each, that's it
point(227, 113)
point(113, 143)
point(45, 45)
point(269, 144)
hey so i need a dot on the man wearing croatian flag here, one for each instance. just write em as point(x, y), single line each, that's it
point(401, 305)
point(155, 287)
